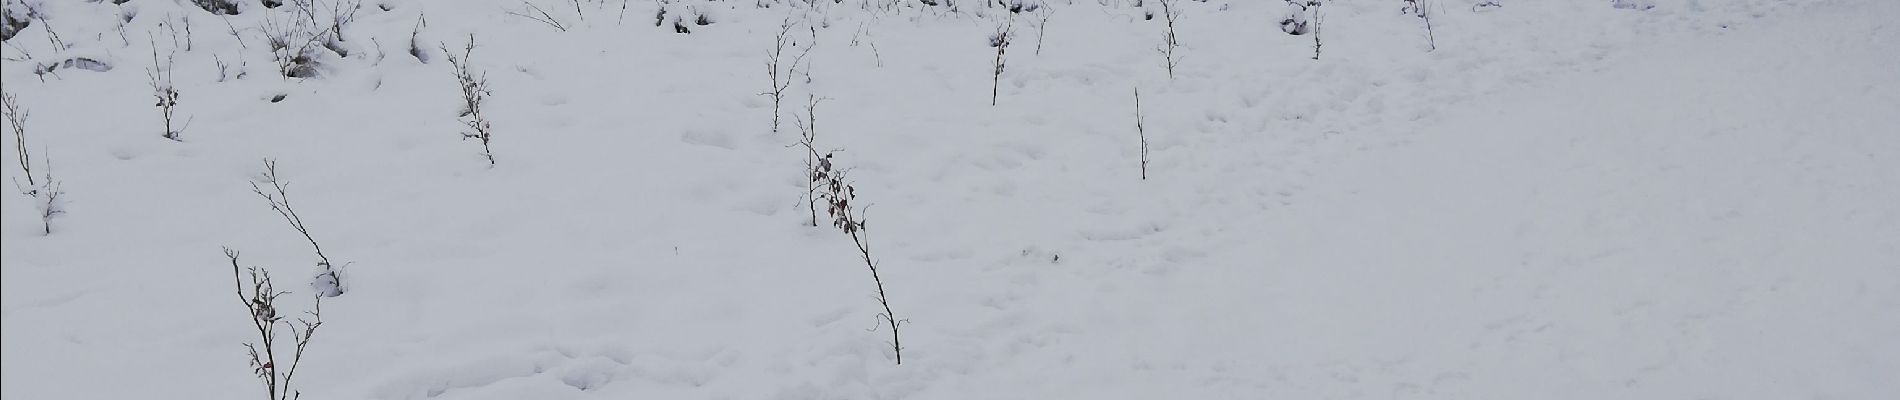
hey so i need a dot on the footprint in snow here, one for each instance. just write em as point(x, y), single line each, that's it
point(717, 139)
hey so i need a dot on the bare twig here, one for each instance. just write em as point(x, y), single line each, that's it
point(779, 70)
point(44, 189)
point(16, 122)
point(1170, 12)
point(1316, 27)
point(534, 12)
point(51, 35)
point(1141, 133)
point(1422, 9)
point(279, 199)
point(808, 136)
point(1042, 24)
point(475, 94)
point(1000, 40)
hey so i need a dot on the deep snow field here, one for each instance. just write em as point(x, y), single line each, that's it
point(1588, 199)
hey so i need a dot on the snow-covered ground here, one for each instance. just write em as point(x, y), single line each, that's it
point(1630, 199)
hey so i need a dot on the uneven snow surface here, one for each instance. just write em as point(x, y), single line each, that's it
point(1629, 199)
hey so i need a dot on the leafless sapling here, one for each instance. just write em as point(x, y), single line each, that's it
point(1141, 132)
point(808, 138)
point(1169, 56)
point(328, 282)
point(779, 69)
point(44, 189)
point(1000, 40)
point(159, 76)
point(837, 192)
point(261, 302)
point(475, 93)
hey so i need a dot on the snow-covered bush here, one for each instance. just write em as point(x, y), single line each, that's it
point(219, 7)
point(299, 35)
point(15, 16)
point(1298, 16)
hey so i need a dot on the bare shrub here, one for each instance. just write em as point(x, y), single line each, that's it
point(45, 189)
point(159, 76)
point(475, 93)
point(296, 36)
point(261, 302)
